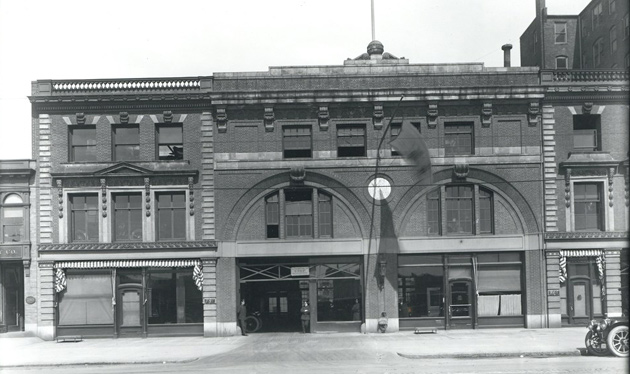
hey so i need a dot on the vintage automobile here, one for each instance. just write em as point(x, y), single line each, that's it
point(607, 336)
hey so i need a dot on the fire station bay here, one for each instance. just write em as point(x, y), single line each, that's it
point(157, 205)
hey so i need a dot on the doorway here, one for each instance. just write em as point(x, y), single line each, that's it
point(582, 292)
point(11, 298)
point(130, 313)
point(460, 304)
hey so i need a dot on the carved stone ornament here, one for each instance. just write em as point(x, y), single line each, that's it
point(60, 197)
point(587, 108)
point(432, 115)
point(297, 175)
point(168, 116)
point(323, 115)
point(461, 171)
point(124, 117)
point(269, 118)
point(567, 188)
point(222, 119)
point(486, 115)
point(611, 173)
point(191, 194)
point(80, 118)
point(147, 199)
point(377, 116)
point(533, 113)
point(104, 194)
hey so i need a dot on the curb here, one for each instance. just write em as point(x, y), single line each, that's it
point(492, 355)
point(56, 364)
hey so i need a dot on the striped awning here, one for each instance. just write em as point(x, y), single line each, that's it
point(105, 264)
point(581, 252)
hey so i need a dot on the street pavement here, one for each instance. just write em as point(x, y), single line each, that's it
point(17, 350)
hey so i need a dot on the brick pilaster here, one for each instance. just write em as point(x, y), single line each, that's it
point(553, 289)
point(46, 318)
point(44, 181)
point(209, 297)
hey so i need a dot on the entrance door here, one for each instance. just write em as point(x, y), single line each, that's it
point(13, 309)
point(460, 307)
point(579, 305)
point(130, 310)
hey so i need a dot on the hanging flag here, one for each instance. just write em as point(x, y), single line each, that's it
point(388, 241)
point(411, 146)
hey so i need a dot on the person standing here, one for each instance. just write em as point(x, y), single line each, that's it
point(356, 310)
point(241, 314)
point(306, 317)
point(382, 323)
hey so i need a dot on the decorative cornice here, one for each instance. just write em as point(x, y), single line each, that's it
point(134, 85)
point(586, 235)
point(212, 245)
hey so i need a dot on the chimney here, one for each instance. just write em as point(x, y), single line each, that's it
point(506, 54)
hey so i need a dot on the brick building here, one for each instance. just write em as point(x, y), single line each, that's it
point(295, 152)
point(597, 38)
point(124, 239)
point(585, 132)
point(16, 177)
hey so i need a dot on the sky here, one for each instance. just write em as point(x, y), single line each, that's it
point(79, 39)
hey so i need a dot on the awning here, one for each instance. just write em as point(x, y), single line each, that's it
point(581, 252)
point(599, 258)
point(126, 264)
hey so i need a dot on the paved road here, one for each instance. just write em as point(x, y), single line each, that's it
point(380, 364)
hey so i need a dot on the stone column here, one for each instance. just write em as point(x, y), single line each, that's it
point(209, 297)
point(612, 273)
point(553, 289)
point(46, 319)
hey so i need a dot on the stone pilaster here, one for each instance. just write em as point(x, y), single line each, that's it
point(613, 282)
point(550, 168)
point(209, 297)
point(553, 289)
point(46, 302)
point(207, 177)
point(44, 181)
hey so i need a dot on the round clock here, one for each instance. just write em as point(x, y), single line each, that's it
point(379, 188)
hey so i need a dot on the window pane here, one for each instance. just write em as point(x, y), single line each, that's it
point(335, 299)
point(87, 300)
point(170, 135)
point(12, 233)
point(420, 290)
point(127, 135)
point(179, 224)
point(84, 153)
point(85, 136)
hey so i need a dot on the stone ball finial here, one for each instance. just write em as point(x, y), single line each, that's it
point(375, 48)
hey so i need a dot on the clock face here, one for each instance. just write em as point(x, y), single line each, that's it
point(379, 188)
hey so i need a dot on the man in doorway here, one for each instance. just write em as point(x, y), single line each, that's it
point(241, 314)
point(306, 317)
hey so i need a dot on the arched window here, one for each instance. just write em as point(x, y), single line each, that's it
point(469, 210)
point(12, 213)
point(301, 211)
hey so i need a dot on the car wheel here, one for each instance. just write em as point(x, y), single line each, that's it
point(618, 341)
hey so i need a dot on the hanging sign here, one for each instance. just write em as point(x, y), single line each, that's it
point(301, 271)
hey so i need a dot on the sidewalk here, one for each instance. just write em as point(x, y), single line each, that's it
point(32, 351)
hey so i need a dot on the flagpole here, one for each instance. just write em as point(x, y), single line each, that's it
point(373, 26)
point(378, 158)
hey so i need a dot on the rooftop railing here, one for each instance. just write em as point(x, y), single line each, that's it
point(124, 85)
point(583, 76)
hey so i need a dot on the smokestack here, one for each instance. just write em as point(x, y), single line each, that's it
point(506, 54)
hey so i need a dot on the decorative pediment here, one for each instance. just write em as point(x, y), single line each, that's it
point(123, 169)
point(590, 160)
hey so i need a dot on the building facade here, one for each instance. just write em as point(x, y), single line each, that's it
point(16, 177)
point(585, 132)
point(125, 243)
point(296, 152)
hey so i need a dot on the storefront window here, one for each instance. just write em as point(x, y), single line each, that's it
point(87, 299)
point(337, 292)
point(174, 298)
point(420, 286)
point(499, 284)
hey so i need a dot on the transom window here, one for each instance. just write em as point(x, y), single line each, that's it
point(458, 138)
point(460, 202)
point(171, 215)
point(170, 142)
point(296, 141)
point(588, 214)
point(83, 143)
point(560, 30)
point(12, 218)
point(126, 142)
point(128, 217)
point(351, 141)
point(83, 218)
point(299, 213)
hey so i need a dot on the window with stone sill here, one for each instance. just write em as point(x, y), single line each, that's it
point(12, 217)
point(562, 62)
point(297, 142)
point(597, 14)
point(171, 216)
point(613, 39)
point(588, 206)
point(587, 132)
point(598, 52)
point(560, 32)
point(351, 141)
point(458, 138)
point(394, 131)
point(127, 217)
point(126, 143)
point(84, 221)
point(170, 142)
point(82, 141)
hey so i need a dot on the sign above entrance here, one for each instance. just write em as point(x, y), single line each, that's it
point(301, 271)
point(11, 252)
